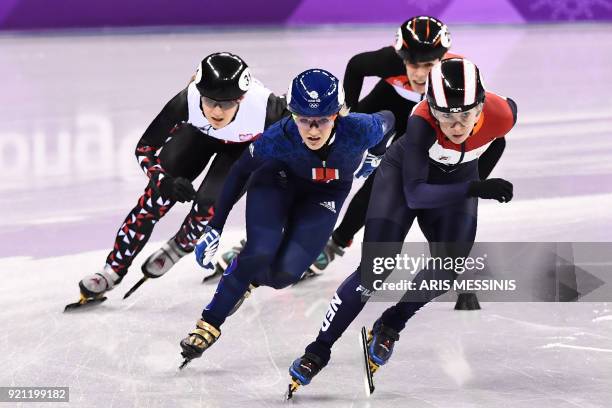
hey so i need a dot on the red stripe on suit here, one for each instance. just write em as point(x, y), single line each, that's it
point(325, 174)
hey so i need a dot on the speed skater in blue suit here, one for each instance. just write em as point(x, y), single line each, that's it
point(299, 173)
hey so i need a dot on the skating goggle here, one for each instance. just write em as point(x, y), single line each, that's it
point(225, 105)
point(308, 122)
point(465, 118)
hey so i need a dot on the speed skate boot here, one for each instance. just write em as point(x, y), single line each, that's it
point(96, 285)
point(163, 259)
point(381, 340)
point(158, 263)
point(302, 371)
point(198, 340)
point(330, 252)
point(93, 287)
point(226, 259)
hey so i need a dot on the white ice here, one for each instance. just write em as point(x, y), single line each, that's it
point(70, 101)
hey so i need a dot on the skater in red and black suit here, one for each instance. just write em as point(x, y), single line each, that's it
point(420, 43)
point(220, 112)
point(431, 175)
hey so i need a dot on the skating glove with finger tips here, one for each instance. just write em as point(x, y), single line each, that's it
point(495, 188)
point(177, 189)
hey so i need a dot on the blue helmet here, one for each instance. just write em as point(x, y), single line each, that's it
point(315, 92)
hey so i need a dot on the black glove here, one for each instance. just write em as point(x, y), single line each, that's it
point(495, 188)
point(177, 189)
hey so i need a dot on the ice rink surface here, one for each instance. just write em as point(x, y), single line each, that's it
point(72, 108)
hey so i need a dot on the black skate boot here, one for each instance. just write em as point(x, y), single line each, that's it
point(377, 347)
point(198, 340)
point(381, 340)
point(302, 371)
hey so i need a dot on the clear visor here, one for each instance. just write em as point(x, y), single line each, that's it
point(225, 105)
point(465, 118)
point(308, 122)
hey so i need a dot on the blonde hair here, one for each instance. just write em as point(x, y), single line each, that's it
point(344, 111)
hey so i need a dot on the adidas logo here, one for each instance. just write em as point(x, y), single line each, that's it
point(330, 205)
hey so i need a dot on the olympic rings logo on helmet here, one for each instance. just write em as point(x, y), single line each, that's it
point(315, 92)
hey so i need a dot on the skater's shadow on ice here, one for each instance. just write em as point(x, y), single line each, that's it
point(360, 400)
point(189, 372)
point(307, 399)
point(92, 310)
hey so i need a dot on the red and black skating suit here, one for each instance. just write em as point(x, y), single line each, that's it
point(392, 92)
point(180, 142)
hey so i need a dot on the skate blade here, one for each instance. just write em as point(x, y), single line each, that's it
point(368, 367)
point(136, 286)
point(184, 363)
point(215, 275)
point(291, 389)
point(84, 303)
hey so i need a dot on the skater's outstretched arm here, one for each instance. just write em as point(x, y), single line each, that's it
point(378, 144)
point(488, 160)
point(380, 63)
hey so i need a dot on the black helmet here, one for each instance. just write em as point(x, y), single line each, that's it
point(223, 77)
point(422, 39)
point(454, 85)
